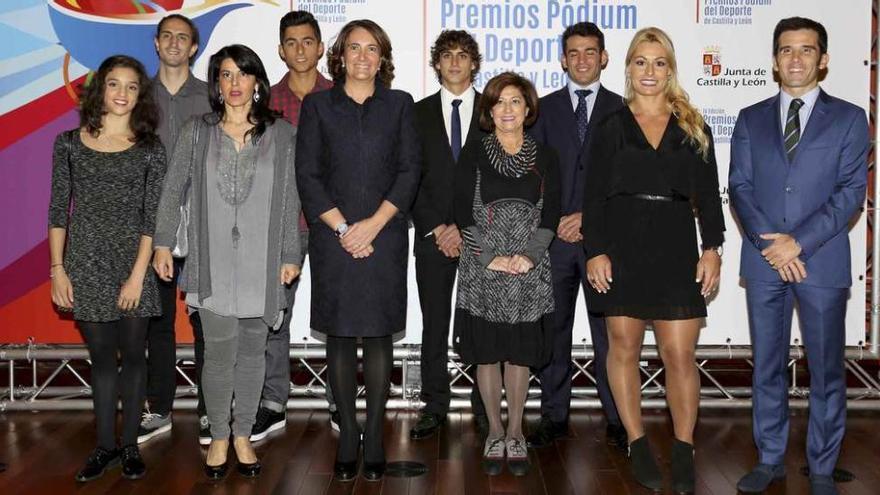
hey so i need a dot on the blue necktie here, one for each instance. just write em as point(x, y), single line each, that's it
point(581, 114)
point(455, 138)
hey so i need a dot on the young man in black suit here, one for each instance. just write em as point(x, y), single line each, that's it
point(564, 122)
point(447, 121)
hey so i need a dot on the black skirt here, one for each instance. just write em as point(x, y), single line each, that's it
point(478, 341)
point(654, 254)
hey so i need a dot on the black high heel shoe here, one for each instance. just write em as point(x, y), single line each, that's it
point(682, 467)
point(644, 466)
point(345, 471)
point(251, 470)
point(374, 471)
point(216, 473)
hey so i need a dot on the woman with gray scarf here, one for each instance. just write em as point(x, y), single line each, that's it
point(235, 166)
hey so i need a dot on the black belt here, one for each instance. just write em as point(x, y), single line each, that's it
point(655, 197)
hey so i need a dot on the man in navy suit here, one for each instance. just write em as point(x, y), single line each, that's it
point(447, 121)
point(565, 119)
point(798, 174)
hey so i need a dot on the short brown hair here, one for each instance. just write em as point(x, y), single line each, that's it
point(456, 38)
point(337, 52)
point(492, 93)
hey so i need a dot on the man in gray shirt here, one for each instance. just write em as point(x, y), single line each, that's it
point(180, 96)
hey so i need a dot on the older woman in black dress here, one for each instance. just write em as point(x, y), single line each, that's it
point(653, 163)
point(507, 205)
point(358, 170)
point(111, 167)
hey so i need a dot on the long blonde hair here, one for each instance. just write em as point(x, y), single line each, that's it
point(689, 119)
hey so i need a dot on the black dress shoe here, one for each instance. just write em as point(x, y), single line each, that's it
point(373, 471)
point(546, 433)
point(615, 435)
point(133, 466)
point(427, 425)
point(99, 461)
point(345, 471)
point(216, 473)
point(251, 470)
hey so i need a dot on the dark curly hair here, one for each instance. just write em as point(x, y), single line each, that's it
point(144, 116)
point(456, 38)
point(337, 52)
point(492, 93)
point(248, 62)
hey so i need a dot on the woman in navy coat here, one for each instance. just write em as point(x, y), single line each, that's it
point(358, 170)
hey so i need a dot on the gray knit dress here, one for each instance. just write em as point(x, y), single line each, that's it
point(114, 196)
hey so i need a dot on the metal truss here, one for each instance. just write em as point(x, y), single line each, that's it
point(49, 365)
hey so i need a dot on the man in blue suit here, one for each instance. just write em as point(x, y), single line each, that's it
point(565, 119)
point(798, 174)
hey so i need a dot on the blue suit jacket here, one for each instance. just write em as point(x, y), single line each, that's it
point(813, 197)
point(556, 127)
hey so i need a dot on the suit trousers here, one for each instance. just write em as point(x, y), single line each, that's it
point(821, 312)
point(161, 365)
point(568, 263)
point(435, 276)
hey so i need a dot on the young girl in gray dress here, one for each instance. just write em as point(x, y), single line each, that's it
point(111, 169)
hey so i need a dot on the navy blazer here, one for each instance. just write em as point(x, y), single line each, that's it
point(812, 198)
point(556, 127)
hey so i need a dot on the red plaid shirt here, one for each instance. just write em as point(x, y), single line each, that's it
point(283, 99)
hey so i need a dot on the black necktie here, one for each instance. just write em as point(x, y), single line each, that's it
point(792, 132)
point(455, 138)
point(581, 114)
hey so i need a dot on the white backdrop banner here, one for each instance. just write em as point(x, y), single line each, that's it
point(724, 58)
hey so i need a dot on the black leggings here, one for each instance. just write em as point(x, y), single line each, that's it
point(342, 369)
point(128, 337)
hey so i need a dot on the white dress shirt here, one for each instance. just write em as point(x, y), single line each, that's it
point(465, 111)
point(806, 109)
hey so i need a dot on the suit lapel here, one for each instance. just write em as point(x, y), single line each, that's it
point(818, 120)
point(474, 127)
point(774, 113)
point(601, 108)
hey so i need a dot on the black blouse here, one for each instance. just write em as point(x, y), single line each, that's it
point(494, 186)
point(622, 161)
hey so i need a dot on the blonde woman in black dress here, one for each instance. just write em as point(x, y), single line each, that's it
point(652, 164)
point(111, 169)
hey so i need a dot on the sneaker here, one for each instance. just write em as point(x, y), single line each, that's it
point(493, 456)
point(335, 420)
point(267, 422)
point(517, 456)
point(99, 461)
point(153, 424)
point(204, 431)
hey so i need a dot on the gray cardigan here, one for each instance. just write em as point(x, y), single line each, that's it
point(186, 168)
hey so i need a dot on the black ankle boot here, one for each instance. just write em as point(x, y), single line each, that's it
point(644, 465)
point(682, 467)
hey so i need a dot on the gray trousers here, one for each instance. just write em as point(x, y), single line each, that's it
point(276, 388)
point(235, 365)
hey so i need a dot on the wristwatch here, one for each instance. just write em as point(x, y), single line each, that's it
point(718, 250)
point(341, 229)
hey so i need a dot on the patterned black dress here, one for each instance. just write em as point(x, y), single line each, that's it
point(114, 197)
point(505, 209)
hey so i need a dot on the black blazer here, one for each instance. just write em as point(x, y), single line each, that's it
point(434, 200)
point(556, 127)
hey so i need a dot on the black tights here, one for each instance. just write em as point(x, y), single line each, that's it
point(342, 369)
point(128, 337)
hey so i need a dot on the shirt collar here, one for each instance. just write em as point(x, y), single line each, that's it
point(573, 86)
point(467, 98)
point(321, 83)
point(184, 89)
point(809, 99)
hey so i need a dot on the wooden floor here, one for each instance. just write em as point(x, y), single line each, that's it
point(43, 451)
